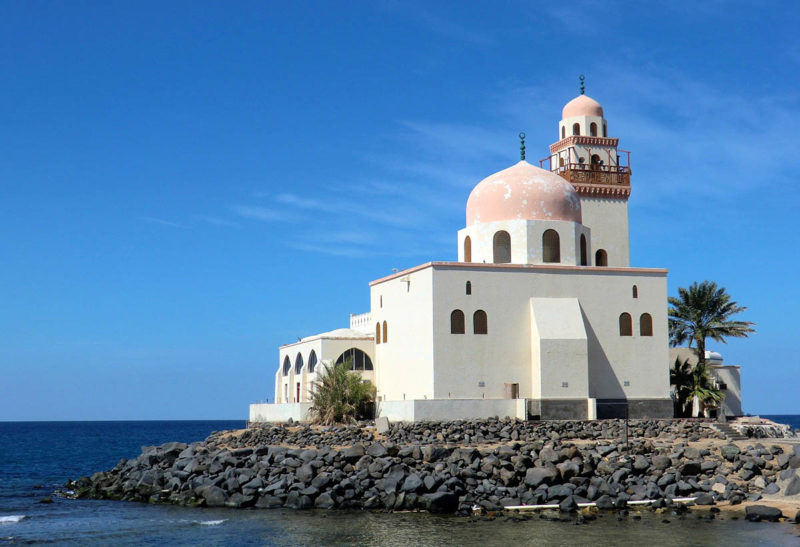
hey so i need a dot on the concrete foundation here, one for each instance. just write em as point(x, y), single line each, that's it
point(298, 412)
point(416, 410)
point(636, 408)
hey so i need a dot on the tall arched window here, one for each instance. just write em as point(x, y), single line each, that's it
point(605, 130)
point(469, 287)
point(584, 251)
point(593, 129)
point(576, 129)
point(601, 258)
point(561, 162)
point(646, 325)
point(312, 361)
point(635, 291)
point(287, 366)
point(480, 323)
point(563, 131)
point(298, 364)
point(551, 246)
point(457, 322)
point(377, 333)
point(502, 248)
point(596, 160)
point(358, 359)
point(467, 249)
point(385, 333)
point(625, 325)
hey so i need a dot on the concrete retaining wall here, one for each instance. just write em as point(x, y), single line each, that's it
point(279, 412)
point(416, 410)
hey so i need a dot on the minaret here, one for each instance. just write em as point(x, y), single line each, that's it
point(589, 159)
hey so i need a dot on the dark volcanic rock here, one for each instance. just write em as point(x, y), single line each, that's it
point(758, 513)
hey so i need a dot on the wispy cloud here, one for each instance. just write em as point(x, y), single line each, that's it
point(444, 25)
point(264, 214)
point(216, 221)
point(162, 222)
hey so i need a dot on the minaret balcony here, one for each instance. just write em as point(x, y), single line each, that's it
point(596, 179)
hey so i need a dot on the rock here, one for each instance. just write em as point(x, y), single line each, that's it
point(729, 451)
point(214, 496)
point(269, 502)
point(757, 513)
point(797, 517)
point(718, 487)
point(539, 475)
point(793, 487)
point(440, 502)
point(382, 425)
point(567, 470)
point(568, 505)
point(661, 462)
point(377, 450)
point(304, 473)
point(704, 499)
point(238, 500)
point(640, 463)
point(412, 483)
point(324, 501)
point(605, 502)
point(690, 468)
point(353, 453)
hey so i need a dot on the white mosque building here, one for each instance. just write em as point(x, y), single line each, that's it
point(542, 315)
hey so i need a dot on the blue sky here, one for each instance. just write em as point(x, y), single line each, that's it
point(187, 185)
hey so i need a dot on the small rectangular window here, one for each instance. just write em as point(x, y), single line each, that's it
point(627, 383)
point(564, 384)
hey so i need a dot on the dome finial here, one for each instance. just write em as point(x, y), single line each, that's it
point(522, 146)
point(583, 87)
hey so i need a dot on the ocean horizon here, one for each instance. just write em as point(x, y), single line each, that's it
point(39, 457)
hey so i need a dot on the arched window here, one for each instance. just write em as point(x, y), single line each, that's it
point(467, 249)
point(469, 287)
point(593, 129)
point(480, 323)
point(377, 333)
point(625, 325)
point(358, 359)
point(561, 162)
point(601, 258)
point(584, 251)
point(287, 366)
point(551, 246)
point(502, 248)
point(596, 160)
point(457, 322)
point(298, 364)
point(576, 129)
point(385, 333)
point(563, 131)
point(312, 361)
point(605, 130)
point(646, 325)
point(635, 291)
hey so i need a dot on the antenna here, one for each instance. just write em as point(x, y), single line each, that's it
point(522, 146)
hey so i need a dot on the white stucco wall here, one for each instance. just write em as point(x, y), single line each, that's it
point(526, 240)
point(464, 361)
point(608, 219)
point(451, 409)
point(730, 376)
point(405, 361)
point(279, 413)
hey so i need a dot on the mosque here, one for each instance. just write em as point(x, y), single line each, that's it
point(542, 315)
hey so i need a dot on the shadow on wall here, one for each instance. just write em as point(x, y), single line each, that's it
point(603, 382)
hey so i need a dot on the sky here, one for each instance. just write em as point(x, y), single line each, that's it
point(185, 186)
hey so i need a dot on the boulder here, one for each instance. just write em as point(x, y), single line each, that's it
point(214, 496)
point(661, 462)
point(729, 451)
point(377, 450)
point(269, 502)
point(605, 502)
point(412, 483)
point(793, 487)
point(382, 425)
point(757, 513)
point(704, 499)
point(539, 475)
point(353, 453)
point(324, 501)
point(440, 502)
point(568, 505)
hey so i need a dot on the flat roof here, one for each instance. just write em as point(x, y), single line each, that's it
point(539, 268)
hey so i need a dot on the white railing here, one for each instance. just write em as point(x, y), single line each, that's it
point(361, 322)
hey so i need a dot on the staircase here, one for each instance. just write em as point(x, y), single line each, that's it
point(730, 433)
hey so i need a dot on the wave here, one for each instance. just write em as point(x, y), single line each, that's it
point(210, 522)
point(12, 519)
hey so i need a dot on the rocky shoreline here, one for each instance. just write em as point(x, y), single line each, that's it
point(458, 467)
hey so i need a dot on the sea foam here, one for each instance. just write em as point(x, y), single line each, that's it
point(210, 522)
point(11, 519)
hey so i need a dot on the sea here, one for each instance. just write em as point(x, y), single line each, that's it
point(36, 458)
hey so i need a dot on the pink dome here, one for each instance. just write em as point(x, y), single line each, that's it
point(582, 105)
point(523, 192)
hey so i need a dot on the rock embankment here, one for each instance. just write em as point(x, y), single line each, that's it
point(439, 468)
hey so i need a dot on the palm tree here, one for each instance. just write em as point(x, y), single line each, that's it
point(680, 376)
point(703, 391)
point(340, 395)
point(703, 311)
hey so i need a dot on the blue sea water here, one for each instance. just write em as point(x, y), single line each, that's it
point(36, 458)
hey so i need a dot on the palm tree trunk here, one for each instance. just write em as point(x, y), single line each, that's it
point(695, 407)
